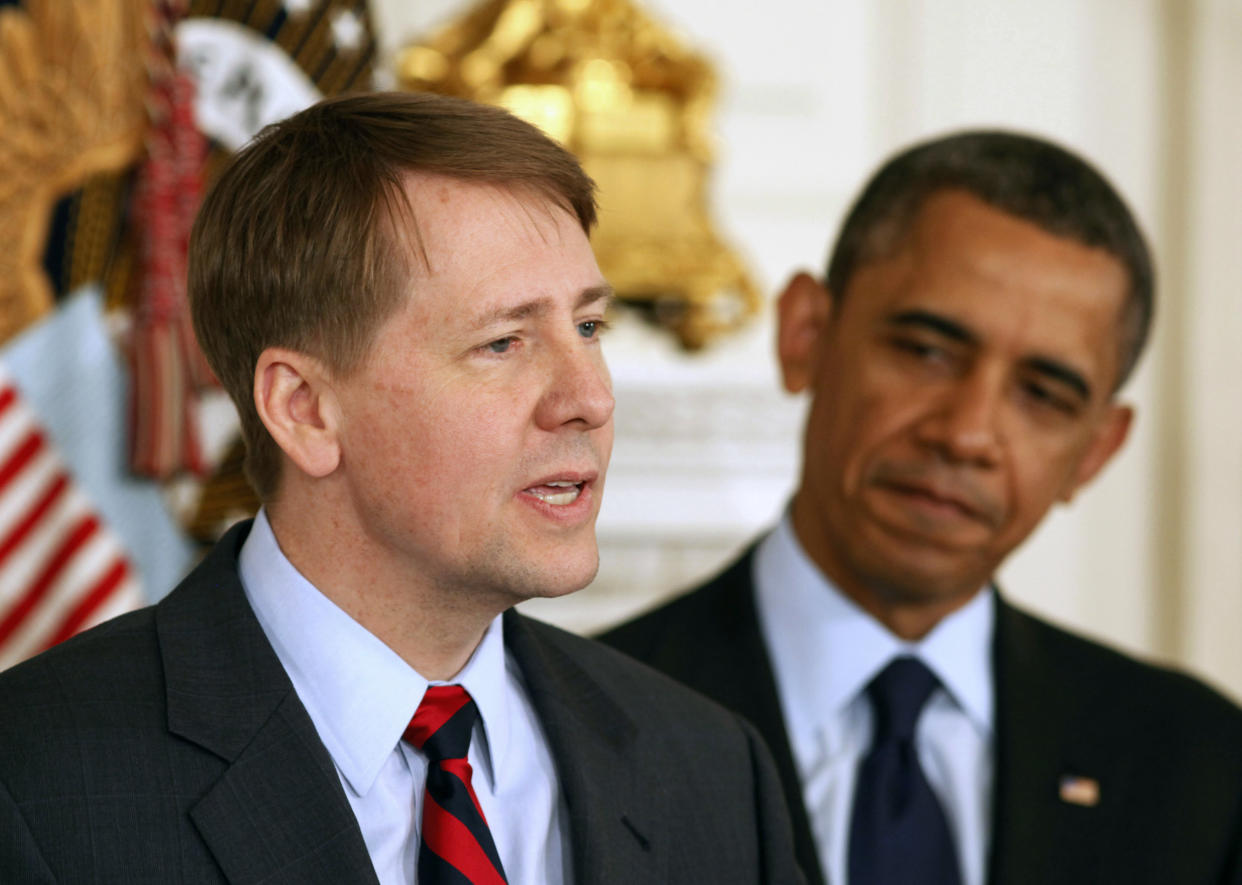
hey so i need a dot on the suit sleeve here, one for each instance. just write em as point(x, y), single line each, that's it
point(1233, 869)
point(776, 848)
point(20, 858)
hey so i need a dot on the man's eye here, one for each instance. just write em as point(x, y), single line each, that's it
point(591, 328)
point(921, 349)
point(1048, 398)
point(500, 345)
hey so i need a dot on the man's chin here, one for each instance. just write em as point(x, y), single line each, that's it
point(918, 575)
point(555, 577)
point(921, 582)
point(563, 587)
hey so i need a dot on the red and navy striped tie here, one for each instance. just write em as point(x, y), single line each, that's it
point(456, 847)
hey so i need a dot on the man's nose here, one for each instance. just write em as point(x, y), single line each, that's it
point(579, 389)
point(964, 423)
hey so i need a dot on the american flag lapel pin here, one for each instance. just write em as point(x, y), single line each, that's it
point(1078, 790)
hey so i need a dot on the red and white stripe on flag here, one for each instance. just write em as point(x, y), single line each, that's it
point(61, 568)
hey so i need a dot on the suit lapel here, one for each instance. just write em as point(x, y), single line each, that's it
point(612, 826)
point(278, 813)
point(1045, 827)
point(733, 667)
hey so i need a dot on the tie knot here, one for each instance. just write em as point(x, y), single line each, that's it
point(897, 698)
point(442, 724)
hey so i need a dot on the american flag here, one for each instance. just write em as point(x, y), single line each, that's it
point(61, 568)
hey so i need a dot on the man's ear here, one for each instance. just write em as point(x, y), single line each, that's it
point(298, 407)
point(1111, 433)
point(803, 310)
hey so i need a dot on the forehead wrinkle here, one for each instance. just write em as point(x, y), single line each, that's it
point(516, 206)
point(1059, 276)
point(533, 308)
point(536, 307)
point(540, 212)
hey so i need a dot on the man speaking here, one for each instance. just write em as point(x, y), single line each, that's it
point(398, 293)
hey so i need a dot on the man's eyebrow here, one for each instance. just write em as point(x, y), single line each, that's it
point(602, 292)
point(925, 319)
point(1059, 371)
point(1053, 369)
point(537, 307)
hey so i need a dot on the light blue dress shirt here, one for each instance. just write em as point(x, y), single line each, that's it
point(825, 650)
point(361, 696)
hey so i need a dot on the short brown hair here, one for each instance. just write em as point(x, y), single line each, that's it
point(1022, 175)
point(294, 247)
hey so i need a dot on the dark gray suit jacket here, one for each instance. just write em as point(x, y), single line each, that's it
point(168, 746)
point(1165, 749)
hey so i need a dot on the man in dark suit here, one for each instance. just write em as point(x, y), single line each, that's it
point(987, 296)
point(399, 295)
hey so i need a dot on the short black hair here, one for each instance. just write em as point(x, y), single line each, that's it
point(1022, 175)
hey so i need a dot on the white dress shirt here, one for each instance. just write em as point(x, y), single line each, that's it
point(360, 696)
point(825, 650)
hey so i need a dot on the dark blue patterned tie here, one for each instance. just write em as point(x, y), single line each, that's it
point(899, 835)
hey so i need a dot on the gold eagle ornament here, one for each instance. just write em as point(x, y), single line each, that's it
point(72, 82)
point(621, 92)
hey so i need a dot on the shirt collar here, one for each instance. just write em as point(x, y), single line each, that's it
point(359, 693)
point(825, 649)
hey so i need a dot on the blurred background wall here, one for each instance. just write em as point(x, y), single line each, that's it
point(812, 97)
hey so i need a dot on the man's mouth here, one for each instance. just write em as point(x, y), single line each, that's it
point(936, 496)
point(558, 493)
point(952, 495)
